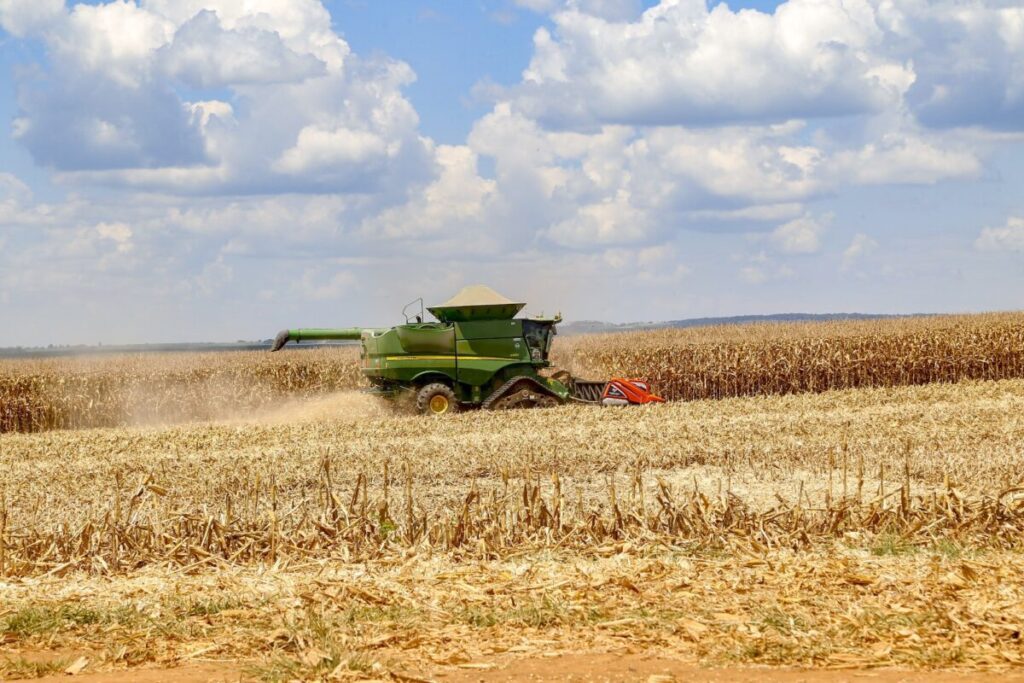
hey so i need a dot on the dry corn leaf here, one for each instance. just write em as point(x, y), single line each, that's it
point(313, 656)
point(859, 579)
point(728, 618)
point(76, 667)
point(693, 628)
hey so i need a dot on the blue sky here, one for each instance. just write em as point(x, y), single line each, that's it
point(204, 170)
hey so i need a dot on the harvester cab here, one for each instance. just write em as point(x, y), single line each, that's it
point(477, 355)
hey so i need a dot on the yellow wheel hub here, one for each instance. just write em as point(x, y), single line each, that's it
point(438, 404)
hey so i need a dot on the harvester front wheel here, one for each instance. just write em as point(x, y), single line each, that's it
point(437, 399)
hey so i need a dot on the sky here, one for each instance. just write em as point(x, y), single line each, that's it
point(213, 170)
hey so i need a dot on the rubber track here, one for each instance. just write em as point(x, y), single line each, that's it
point(503, 389)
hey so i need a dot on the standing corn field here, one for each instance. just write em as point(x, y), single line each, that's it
point(87, 392)
point(691, 364)
point(750, 360)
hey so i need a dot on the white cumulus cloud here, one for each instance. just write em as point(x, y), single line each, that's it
point(611, 221)
point(950, 63)
point(203, 54)
point(23, 17)
point(907, 157)
point(457, 203)
point(800, 235)
point(318, 148)
point(680, 63)
point(860, 246)
point(288, 107)
point(969, 62)
point(1008, 237)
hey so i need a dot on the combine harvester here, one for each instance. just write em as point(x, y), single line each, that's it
point(479, 355)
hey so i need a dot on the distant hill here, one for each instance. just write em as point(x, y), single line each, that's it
point(571, 328)
point(598, 327)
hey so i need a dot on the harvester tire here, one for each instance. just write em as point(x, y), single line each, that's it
point(437, 399)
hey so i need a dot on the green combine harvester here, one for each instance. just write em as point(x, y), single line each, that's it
point(478, 355)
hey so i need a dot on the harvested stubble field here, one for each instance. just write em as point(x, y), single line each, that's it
point(854, 528)
point(329, 537)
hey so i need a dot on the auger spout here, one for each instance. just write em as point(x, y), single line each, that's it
point(318, 334)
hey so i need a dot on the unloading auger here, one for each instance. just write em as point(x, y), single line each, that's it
point(478, 355)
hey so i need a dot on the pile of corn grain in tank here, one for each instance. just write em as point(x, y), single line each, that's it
point(477, 355)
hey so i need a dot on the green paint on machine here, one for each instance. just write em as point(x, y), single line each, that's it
point(478, 354)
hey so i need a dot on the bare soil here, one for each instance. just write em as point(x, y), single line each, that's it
point(663, 670)
point(596, 667)
point(201, 673)
point(656, 669)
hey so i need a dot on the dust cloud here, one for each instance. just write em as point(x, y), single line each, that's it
point(343, 405)
point(225, 402)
